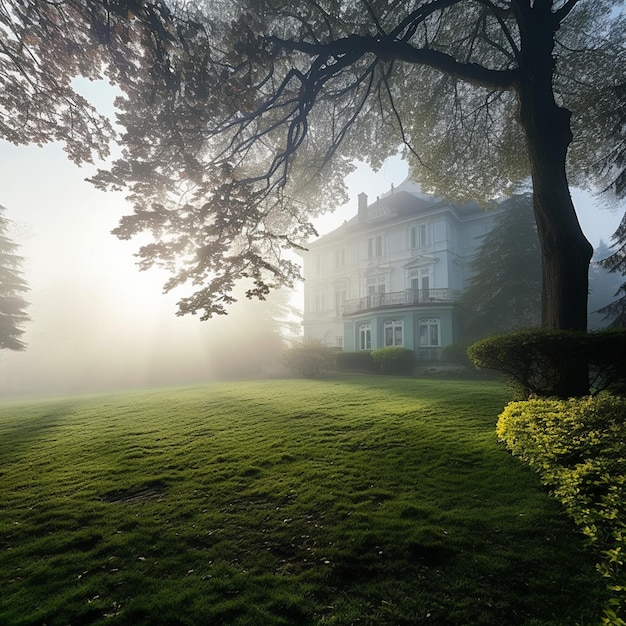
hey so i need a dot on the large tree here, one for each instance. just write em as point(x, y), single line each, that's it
point(12, 290)
point(241, 119)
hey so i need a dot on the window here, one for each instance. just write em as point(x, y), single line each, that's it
point(340, 257)
point(375, 247)
point(376, 286)
point(419, 236)
point(394, 331)
point(365, 337)
point(420, 285)
point(319, 300)
point(339, 342)
point(429, 333)
point(340, 299)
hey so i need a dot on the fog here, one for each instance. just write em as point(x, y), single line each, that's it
point(83, 338)
point(98, 324)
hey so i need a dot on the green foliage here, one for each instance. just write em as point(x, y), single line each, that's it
point(578, 446)
point(358, 360)
point(229, 145)
point(309, 359)
point(362, 500)
point(537, 361)
point(504, 292)
point(457, 353)
point(605, 351)
point(394, 360)
point(12, 290)
point(615, 312)
point(604, 287)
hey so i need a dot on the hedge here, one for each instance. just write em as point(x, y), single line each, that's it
point(360, 360)
point(394, 360)
point(534, 360)
point(578, 446)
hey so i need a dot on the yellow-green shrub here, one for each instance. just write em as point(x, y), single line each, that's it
point(578, 447)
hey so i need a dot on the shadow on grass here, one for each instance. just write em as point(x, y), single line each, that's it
point(369, 500)
point(18, 435)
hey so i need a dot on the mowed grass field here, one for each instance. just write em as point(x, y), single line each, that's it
point(356, 500)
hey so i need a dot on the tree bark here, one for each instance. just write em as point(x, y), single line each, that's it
point(566, 253)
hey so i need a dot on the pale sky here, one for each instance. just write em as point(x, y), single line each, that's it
point(97, 322)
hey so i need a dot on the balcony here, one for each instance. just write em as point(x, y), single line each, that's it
point(409, 297)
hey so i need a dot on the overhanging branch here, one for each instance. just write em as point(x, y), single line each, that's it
point(389, 49)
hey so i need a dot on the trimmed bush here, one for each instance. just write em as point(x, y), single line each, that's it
point(536, 361)
point(457, 353)
point(607, 362)
point(394, 360)
point(309, 359)
point(360, 360)
point(578, 447)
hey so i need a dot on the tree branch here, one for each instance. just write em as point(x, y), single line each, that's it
point(563, 12)
point(388, 49)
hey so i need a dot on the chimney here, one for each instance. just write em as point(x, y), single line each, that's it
point(362, 206)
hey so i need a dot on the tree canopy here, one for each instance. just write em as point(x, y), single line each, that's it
point(12, 290)
point(240, 120)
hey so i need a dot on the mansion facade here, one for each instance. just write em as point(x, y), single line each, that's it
point(392, 275)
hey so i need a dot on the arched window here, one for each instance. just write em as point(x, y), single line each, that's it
point(365, 337)
point(394, 333)
point(429, 334)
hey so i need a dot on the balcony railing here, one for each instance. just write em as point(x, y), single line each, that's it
point(409, 297)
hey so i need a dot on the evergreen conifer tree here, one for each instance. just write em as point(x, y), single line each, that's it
point(504, 293)
point(616, 310)
point(12, 290)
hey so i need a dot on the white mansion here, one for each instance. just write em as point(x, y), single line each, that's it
point(391, 275)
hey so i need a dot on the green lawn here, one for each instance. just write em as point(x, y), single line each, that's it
point(357, 500)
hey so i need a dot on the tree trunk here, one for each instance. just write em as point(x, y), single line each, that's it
point(566, 253)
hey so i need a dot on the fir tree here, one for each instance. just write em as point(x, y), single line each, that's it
point(12, 289)
point(504, 293)
point(616, 311)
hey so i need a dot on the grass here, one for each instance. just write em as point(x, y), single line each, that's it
point(359, 500)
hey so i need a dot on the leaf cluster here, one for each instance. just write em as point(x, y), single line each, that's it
point(43, 47)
